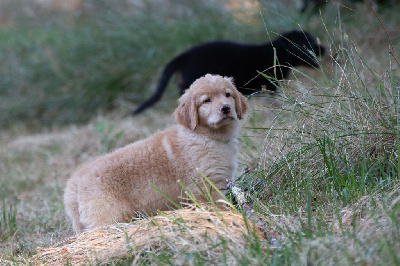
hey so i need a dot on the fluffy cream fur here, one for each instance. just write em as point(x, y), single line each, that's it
point(114, 187)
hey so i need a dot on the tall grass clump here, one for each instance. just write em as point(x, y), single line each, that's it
point(333, 142)
point(341, 130)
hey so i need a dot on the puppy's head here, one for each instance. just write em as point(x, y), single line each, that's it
point(302, 48)
point(211, 101)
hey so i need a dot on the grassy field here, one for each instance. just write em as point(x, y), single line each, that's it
point(318, 161)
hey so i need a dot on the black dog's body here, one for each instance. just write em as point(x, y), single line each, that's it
point(240, 61)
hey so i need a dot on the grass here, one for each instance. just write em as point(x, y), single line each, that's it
point(8, 214)
point(109, 138)
point(318, 161)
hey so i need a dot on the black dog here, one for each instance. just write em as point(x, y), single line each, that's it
point(240, 61)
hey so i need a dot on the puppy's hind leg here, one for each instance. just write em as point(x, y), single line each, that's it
point(101, 209)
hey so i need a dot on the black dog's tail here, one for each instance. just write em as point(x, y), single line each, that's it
point(170, 69)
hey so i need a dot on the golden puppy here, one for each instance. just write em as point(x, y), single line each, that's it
point(114, 187)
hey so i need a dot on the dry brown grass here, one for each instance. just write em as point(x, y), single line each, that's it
point(180, 232)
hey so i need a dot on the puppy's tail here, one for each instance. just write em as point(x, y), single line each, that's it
point(72, 206)
point(170, 69)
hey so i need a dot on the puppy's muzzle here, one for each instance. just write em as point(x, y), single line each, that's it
point(225, 109)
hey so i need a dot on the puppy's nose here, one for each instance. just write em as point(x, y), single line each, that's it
point(225, 109)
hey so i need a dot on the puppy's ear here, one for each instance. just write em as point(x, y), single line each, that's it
point(240, 105)
point(186, 112)
point(240, 101)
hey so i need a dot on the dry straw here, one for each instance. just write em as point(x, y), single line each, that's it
point(180, 232)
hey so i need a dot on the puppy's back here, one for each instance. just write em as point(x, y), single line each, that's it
point(113, 186)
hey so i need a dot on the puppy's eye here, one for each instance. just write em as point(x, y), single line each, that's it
point(228, 94)
point(207, 100)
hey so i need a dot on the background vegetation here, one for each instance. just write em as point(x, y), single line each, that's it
point(319, 160)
